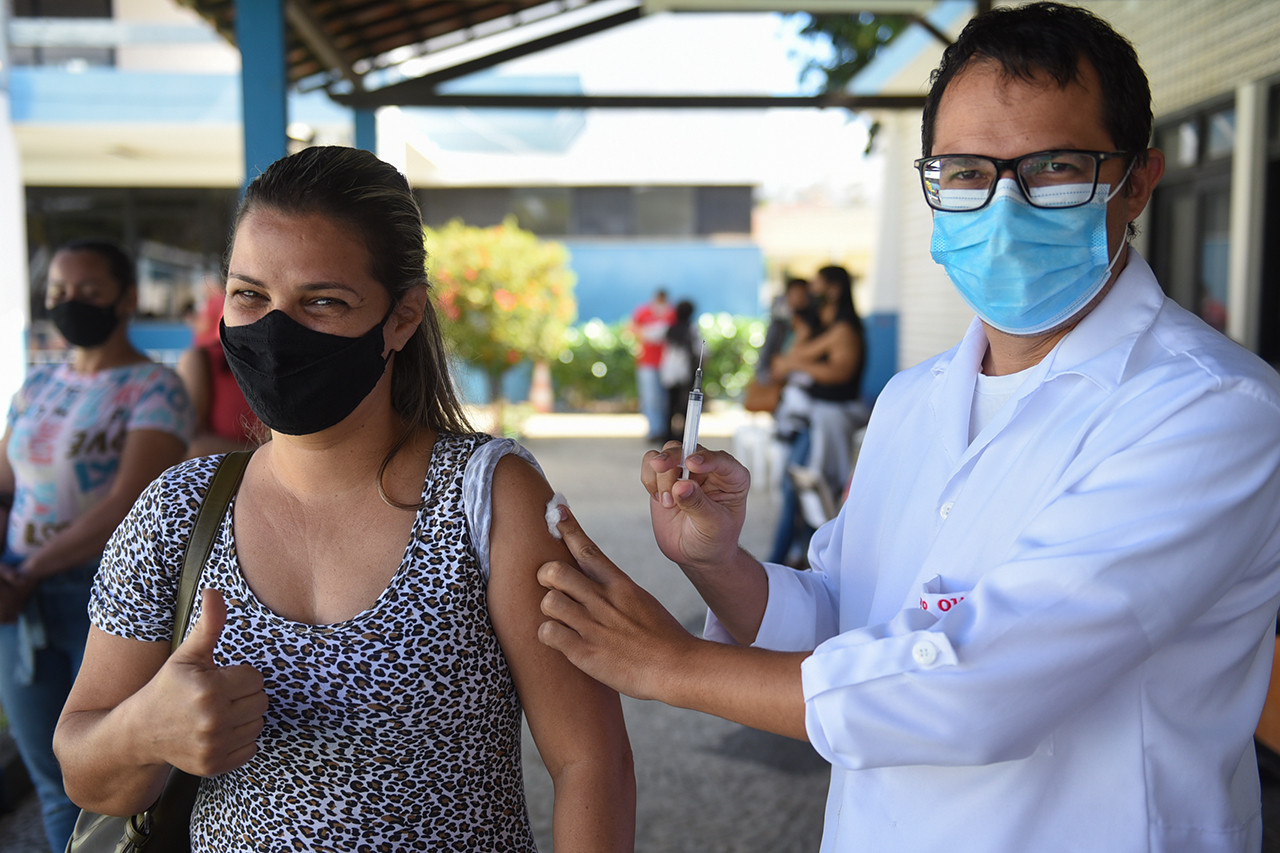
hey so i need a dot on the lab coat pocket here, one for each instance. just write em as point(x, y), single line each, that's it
point(937, 597)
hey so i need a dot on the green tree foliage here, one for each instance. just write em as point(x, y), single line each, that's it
point(503, 295)
point(854, 41)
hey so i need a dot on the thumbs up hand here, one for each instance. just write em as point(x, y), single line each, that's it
point(209, 716)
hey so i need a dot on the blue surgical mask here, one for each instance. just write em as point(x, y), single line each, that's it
point(1026, 270)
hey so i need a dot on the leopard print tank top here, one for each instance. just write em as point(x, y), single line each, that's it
point(398, 729)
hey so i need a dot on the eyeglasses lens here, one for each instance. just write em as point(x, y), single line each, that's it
point(1049, 179)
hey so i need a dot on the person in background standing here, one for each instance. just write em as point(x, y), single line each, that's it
point(649, 324)
point(83, 439)
point(224, 420)
point(679, 361)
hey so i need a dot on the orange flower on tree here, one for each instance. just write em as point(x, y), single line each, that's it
point(505, 299)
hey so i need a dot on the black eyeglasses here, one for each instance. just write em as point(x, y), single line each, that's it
point(1053, 179)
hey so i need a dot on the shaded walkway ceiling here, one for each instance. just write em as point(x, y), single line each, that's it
point(373, 53)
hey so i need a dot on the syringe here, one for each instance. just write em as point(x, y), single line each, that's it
point(692, 415)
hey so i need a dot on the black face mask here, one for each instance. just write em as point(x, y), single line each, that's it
point(83, 324)
point(297, 380)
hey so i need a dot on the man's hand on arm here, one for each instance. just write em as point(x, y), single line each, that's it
point(619, 634)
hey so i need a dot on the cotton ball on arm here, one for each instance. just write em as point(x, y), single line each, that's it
point(553, 513)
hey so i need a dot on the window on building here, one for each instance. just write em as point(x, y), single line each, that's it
point(602, 212)
point(1273, 120)
point(62, 55)
point(1190, 210)
point(620, 211)
point(665, 211)
point(1269, 298)
point(478, 206)
point(542, 210)
point(1221, 136)
point(724, 210)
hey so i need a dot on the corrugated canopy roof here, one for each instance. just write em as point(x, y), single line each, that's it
point(371, 53)
point(356, 40)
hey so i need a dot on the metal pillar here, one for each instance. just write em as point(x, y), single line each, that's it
point(261, 36)
point(366, 123)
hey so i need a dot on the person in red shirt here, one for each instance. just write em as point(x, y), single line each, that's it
point(649, 323)
point(224, 421)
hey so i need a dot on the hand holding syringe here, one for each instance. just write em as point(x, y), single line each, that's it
point(692, 415)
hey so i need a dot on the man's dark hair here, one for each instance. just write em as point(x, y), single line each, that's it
point(1052, 38)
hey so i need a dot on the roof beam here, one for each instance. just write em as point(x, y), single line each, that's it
point(813, 7)
point(842, 100)
point(313, 35)
point(922, 21)
point(425, 85)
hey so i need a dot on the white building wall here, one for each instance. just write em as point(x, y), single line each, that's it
point(1193, 50)
point(203, 52)
point(931, 315)
point(1195, 53)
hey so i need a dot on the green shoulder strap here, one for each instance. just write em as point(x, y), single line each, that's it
point(225, 482)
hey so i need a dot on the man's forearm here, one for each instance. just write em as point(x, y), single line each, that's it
point(736, 592)
point(755, 687)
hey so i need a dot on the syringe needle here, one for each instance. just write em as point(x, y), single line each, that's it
point(692, 415)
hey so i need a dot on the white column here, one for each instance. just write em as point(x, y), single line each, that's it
point(886, 260)
point(1248, 185)
point(14, 298)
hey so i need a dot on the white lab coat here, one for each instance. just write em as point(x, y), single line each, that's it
point(1057, 637)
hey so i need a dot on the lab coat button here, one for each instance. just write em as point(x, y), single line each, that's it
point(945, 509)
point(924, 652)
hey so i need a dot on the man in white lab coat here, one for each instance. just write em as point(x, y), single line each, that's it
point(1043, 620)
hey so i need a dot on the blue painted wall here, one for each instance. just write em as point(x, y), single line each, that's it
point(54, 95)
point(615, 277)
point(882, 353)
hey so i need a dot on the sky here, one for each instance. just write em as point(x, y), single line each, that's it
point(787, 152)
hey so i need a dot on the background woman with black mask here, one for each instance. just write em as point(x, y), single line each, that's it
point(83, 439)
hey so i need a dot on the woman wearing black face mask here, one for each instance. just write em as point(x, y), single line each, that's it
point(367, 637)
point(83, 439)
